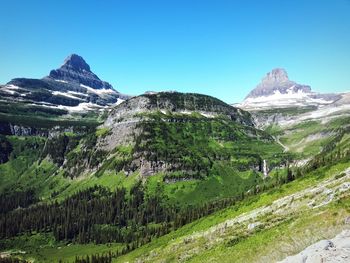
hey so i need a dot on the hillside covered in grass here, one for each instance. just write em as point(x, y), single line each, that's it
point(166, 177)
point(159, 161)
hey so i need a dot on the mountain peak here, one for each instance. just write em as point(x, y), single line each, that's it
point(276, 75)
point(277, 81)
point(76, 70)
point(76, 62)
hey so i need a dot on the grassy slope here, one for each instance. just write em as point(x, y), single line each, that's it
point(251, 203)
point(42, 247)
point(308, 138)
point(186, 192)
point(193, 192)
point(23, 171)
point(286, 239)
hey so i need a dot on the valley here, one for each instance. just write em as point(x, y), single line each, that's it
point(88, 174)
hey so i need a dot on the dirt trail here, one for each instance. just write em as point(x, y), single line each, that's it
point(277, 139)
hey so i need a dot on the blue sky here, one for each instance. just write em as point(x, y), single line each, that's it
point(221, 48)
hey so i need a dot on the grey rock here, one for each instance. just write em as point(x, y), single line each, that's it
point(277, 80)
point(334, 250)
point(76, 70)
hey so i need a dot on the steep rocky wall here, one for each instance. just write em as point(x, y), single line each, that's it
point(7, 128)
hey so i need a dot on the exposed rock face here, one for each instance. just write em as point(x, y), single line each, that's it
point(334, 250)
point(76, 70)
point(277, 81)
point(7, 128)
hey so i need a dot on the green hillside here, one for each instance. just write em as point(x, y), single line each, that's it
point(196, 181)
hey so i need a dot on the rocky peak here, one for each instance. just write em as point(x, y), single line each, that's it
point(76, 63)
point(277, 81)
point(277, 75)
point(76, 70)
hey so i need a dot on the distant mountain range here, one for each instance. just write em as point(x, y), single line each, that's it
point(72, 87)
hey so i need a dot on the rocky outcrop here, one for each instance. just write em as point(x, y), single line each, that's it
point(334, 250)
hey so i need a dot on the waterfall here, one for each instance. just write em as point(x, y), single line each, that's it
point(265, 169)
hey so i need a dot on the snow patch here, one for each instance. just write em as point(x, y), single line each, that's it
point(207, 114)
point(279, 99)
point(98, 91)
point(12, 89)
point(187, 112)
point(203, 113)
point(119, 101)
point(66, 94)
point(84, 106)
point(59, 80)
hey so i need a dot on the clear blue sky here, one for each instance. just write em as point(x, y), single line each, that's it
point(216, 47)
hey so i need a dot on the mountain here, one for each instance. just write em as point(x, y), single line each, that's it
point(277, 91)
point(167, 132)
point(148, 168)
point(277, 81)
point(76, 70)
point(280, 101)
point(71, 88)
point(169, 176)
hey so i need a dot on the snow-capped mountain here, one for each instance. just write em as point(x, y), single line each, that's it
point(72, 87)
point(278, 100)
point(277, 91)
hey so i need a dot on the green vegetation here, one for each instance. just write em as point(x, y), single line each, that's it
point(65, 196)
point(309, 138)
point(192, 144)
point(279, 242)
point(22, 108)
point(223, 183)
point(101, 132)
point(248, 204)
point(288, 111)
point(43, 247)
